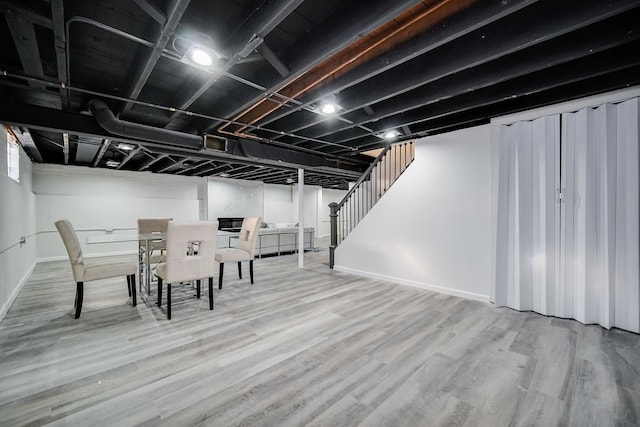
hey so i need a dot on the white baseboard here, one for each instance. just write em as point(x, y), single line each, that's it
point(100, 255)
point(7, 304)
point(52, 258)
point(443, 290)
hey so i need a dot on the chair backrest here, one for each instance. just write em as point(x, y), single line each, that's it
point(249, 234)
point(153, 225)
point(182, 266)
point(72, 245)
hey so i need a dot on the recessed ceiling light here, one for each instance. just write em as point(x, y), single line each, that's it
point(390, 134)
point(112, 163)
point(224, 175)
point(125, 147)
point(200, 56)
point(328, 108)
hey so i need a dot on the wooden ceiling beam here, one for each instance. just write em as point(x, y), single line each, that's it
point(60, 45)
point(24, 39)
point(416, 20)
point(146, 65)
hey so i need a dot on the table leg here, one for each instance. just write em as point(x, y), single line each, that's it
point(140, 268)
point(148, 262)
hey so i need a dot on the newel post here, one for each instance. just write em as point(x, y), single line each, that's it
point(333, 216)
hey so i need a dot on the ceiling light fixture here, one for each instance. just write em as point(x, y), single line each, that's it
point(328, 108)
point(125, 147)
point(224, 175)
point(390, 134)
point(200, 56)
point(112, 163)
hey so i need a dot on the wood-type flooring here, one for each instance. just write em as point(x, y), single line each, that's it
point(303, 347)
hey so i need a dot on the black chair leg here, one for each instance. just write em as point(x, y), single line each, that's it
point(132, 288)
point(198, 289)
point(159, 292)
point(79, 296)
point(239, 270)
point(129, 285)
point(210, 293)
point(169, 301)
point(251, 270)
point(220, 275)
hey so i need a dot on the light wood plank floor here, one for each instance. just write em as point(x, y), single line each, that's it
point(304, 347)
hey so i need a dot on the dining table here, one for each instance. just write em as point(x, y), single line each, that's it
point(145, 241)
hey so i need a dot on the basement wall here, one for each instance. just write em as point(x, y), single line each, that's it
point(432, 229)
point(101, 202)
point(17, 214)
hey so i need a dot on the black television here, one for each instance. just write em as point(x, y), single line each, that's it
point(230, 224)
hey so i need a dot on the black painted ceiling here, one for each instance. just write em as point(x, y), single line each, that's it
point(416, 68)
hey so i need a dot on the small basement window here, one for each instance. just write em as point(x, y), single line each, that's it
point(13, 157)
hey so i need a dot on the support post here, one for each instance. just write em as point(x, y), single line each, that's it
point(333, 216)
point(301, 215)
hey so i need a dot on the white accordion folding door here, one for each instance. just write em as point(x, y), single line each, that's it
point(568, 216)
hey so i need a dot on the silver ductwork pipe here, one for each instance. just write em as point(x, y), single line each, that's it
point(108, 121)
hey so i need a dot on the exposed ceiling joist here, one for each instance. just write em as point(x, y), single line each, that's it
point(264, 20)
point(153, 11)
point(153, 161)
point(197, 165)
point(493, 43)
point(337, 63)
point(60, 45)
point(497, 72)
point(103, 149)
point(261, 25)
point(24, 38)
point(273, 59)
point(31, 16)
point(522, 88)
point(146, 65)
point(58, 121)
point(130, 156)
point(454, 27)
point(174, 165)
point(25, 139)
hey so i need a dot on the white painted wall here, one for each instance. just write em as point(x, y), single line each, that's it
point(235, 198)
point(327, 196)
point(432, 229)
point(310, 203)
point(98, 200)
point(278, 204)
point(17, 214)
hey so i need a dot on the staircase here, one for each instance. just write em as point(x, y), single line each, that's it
point(377, 179)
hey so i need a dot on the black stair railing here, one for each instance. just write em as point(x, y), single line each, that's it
point(374, 182)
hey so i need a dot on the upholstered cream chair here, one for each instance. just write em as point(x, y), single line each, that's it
point(154, 225)
point(86, 271)
point(184, 266)
point(245, 250)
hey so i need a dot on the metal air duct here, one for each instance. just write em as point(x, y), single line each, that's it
point(106, 119)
